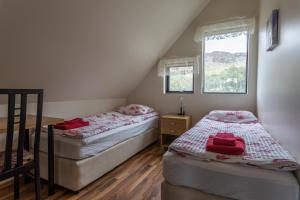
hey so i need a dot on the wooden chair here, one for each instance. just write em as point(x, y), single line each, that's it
point(13, 163)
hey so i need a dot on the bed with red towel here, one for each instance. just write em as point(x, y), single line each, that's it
point(87, 148)
point(81, 138)
point(93, 125)
point(229, 155)
point(85, 137)
point(246, 142)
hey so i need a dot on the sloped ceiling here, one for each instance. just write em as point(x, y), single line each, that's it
point(87, 49)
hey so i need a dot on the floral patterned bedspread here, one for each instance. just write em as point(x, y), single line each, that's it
point(262, 150)
point(104, 122)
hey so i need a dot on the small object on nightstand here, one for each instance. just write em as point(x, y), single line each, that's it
point(172, 126)
point(181, 111)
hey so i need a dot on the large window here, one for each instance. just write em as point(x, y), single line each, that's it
point(225, 63)
point(180, 80)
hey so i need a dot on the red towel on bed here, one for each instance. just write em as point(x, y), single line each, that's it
point(226, 143)
point(71, 124)
point(224, 138)
point(225, 135)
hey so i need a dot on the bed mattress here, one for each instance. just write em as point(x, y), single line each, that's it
point(77, 149)
point(229, 180)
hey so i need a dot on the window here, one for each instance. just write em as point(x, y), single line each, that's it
point(178, 73)
point(225, 63)
point(180, 79)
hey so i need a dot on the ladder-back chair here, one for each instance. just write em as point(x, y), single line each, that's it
point(14, 162)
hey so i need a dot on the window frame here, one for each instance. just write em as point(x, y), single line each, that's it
point(167, 85)
point(247, 70)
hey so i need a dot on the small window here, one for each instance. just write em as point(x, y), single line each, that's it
point(180, 80)
point(225, 63)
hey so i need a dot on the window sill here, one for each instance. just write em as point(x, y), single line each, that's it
point(231, 93)
point(175, 92)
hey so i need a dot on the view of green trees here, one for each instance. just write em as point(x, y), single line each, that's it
point(181, 79)
point(225, 72)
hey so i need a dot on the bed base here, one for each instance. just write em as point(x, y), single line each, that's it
point(171, 192)
point(76, 174)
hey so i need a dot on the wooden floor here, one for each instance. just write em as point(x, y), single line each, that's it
point(137, 179)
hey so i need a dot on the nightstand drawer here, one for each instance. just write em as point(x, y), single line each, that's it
point(173, 126)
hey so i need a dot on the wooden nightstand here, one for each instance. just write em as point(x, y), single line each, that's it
point(172, 126)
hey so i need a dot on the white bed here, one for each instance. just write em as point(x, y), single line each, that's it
point(80, 161)
point(229, 180)
point(193, 173)
point(77, 149)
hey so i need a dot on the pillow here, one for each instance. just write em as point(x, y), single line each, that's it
point(135, 109)
point(232, 116)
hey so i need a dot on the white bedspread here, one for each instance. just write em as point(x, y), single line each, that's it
point(261, 149)
point(77, 149)
point(104, 122)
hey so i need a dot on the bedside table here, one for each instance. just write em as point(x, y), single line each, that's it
point(172, 126)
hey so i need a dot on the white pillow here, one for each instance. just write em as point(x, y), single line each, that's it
point(232, 116)
point(135, 109)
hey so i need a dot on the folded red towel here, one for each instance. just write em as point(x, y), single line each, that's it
point(224, 141)
point(237, 149)
point(72, 124)
point(74, 120)
point(225, 138)
point(225, 135)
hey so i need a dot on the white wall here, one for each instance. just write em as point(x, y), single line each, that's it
point(278, 93)
point(71, 109)
point(78, 50)
point(87, 49)
point(150, 91)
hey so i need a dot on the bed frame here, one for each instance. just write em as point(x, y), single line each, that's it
point(80, 173)
point(171, 192)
